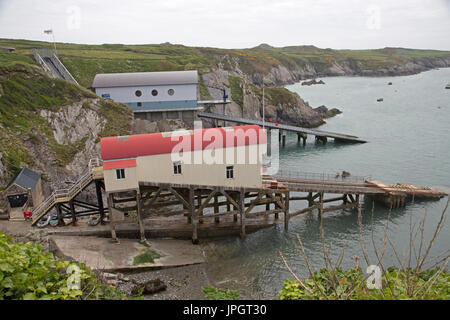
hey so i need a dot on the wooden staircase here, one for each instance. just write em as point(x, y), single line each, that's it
point(93, 172)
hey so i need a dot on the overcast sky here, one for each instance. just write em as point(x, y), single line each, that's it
point(353, 24)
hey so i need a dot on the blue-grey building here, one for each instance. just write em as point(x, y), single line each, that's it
point(152, 95)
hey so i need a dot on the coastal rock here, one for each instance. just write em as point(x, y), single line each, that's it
point(327, 113)
point(149, 287)
point(312, 82)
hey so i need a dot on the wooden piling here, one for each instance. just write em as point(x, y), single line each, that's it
point(286, 211)
point(139, 215)
point(242, 212)
point(98, 191)
point(111, 218)
point(193, 215)
point(216, 208)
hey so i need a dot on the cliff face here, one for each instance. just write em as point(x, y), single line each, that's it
point(280, 104)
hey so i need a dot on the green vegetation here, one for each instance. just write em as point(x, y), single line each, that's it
point(84, 61)
point(213, 293)
point(237, 92)
point(26, 90)
point(147, 256)
point(432, 284)
point(27, 273)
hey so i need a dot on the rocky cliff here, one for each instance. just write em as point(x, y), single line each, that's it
point(52, 126)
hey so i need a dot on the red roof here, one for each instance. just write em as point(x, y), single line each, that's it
point(115, 164)
point(161, 143)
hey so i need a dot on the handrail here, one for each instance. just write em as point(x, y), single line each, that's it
point(323, 177)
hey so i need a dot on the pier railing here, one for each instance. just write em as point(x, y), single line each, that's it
point(320, 177)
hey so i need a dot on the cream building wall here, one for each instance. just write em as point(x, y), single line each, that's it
point(246, 162)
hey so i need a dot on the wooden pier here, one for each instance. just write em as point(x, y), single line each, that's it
point(218, 208)
point(302, 133)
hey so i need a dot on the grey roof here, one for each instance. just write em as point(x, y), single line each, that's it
point(26, 178)
point(107, 80)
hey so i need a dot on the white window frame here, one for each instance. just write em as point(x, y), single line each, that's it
point(229, 169)
point(120, 176)
point(178, 171)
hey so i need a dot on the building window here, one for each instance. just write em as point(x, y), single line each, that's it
point(177, 167)
point(120, 174)
point(171, 92)
point(154, 92)
point(230, 172)
point(139, 104)
point(138, 93)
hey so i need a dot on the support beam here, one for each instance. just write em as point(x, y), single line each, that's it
point(242, 213)
point(320, 204)
point(216, 208)
point(72, 209)
point(139, 216)
point(191, 206)
point(286, 211)
point(112, 222)
point(98, 190)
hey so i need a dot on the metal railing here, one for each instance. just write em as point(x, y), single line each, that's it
point(321, 177)
point(67, 193)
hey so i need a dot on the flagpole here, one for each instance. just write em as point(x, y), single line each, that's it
point(54, 43)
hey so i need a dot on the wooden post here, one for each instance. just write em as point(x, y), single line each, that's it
point(72, 209)
point(320, 204)
point(199, 203)
point(267, 204)
point(139, 215)
point(216, 208)
point(284, 139)
point(59, 214)
point(98, 190)
point(276, 215)
point(286, 211)
point(193, 215)
point(310, 199)
point(185, 194)
point(111, 218)
point(235, 218)
point(242, 212)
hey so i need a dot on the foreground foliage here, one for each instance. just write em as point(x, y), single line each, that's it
point(26, 272)
point(433, 284)
point(213, 293)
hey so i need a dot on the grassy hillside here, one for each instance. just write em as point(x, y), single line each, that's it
point(25, 91)
point(84, 61)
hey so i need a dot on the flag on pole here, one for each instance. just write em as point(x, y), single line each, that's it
point(50, 31)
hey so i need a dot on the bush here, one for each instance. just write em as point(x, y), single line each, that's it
point(433, 284)
point(26, 272)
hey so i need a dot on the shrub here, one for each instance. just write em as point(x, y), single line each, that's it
point(27, 272)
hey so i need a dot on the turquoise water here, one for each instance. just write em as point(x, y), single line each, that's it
point(409, 141)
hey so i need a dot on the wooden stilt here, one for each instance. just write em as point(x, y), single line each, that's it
point(59, 214)
point(242, 213)
point(216, 208)
point(98, 190)
point(199, 204)
point(320, 204)
point(286, 211)
point(111, 218)
point(72, 209)
point(139, 215)
point(193, 215)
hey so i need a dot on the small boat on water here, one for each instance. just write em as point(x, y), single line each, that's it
point(447, 86)
point(380, 99)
